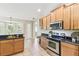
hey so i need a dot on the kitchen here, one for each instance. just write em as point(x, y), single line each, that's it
point(53, 29)
point(62, 35)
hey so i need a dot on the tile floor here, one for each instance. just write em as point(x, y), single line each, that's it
point(33, 49)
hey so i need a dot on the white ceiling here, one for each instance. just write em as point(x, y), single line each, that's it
point(25, 10)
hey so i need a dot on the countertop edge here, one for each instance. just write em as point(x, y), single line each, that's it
point(70, 42)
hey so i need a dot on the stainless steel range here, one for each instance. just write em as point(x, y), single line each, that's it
point(54, 46)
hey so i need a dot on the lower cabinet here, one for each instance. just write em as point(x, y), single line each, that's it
point(19, 45)
point(44, 42)
point(69, 49)
point(12, 46)
point(6, 47)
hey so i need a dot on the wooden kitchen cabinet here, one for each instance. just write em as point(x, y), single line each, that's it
point(67, 17)
point(44, 42)
point(78, 15)
point(59, 13)
point(72, 17)
point(75, 16)
point(68, 13)
point(69, 49)
point(48, 21)
point(18, 45)
point(44, 23)
point(6, 47)
point(41, 23)
point(11, 46)
point(53, 16)
point(57, 17)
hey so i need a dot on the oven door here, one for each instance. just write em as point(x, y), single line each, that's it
point(54, 46)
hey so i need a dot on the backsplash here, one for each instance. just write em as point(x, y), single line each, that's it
point(67, 32)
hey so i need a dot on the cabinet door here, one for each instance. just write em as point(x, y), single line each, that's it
point(6, 47)
point(41, 23)
point(69, 49)
point(52, 17)
point(59, 13)
point(72, 17)
point(48, 21)
point(44, 23)
point(19, 45)
point(76, 15)
point(66, 18)
point(44, 42)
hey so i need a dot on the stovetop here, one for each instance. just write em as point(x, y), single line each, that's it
point(56, 37)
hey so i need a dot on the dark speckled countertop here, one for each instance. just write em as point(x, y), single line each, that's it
point(70, 42)
point(9, 37)
point(67, 40)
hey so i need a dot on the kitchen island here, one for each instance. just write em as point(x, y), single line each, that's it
point(11, 44)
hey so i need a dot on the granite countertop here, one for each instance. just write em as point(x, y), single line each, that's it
point(70, 42)
point(9, 37)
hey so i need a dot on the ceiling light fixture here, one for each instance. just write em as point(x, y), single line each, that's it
point(39, 10)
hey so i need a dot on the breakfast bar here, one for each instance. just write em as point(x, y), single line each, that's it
point(11, 44)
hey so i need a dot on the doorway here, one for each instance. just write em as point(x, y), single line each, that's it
point(27, 32)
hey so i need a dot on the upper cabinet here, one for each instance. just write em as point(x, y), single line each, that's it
point(48, 21)
point(44, 23)
point(53, 16)
point(59, 13)
point(78, 16)
point(68, 13)
point(41, 23)
point(66, 18)
point(75, 16)
point(71, 17)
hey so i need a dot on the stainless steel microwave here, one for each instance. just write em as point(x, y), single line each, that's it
point(56, 25)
